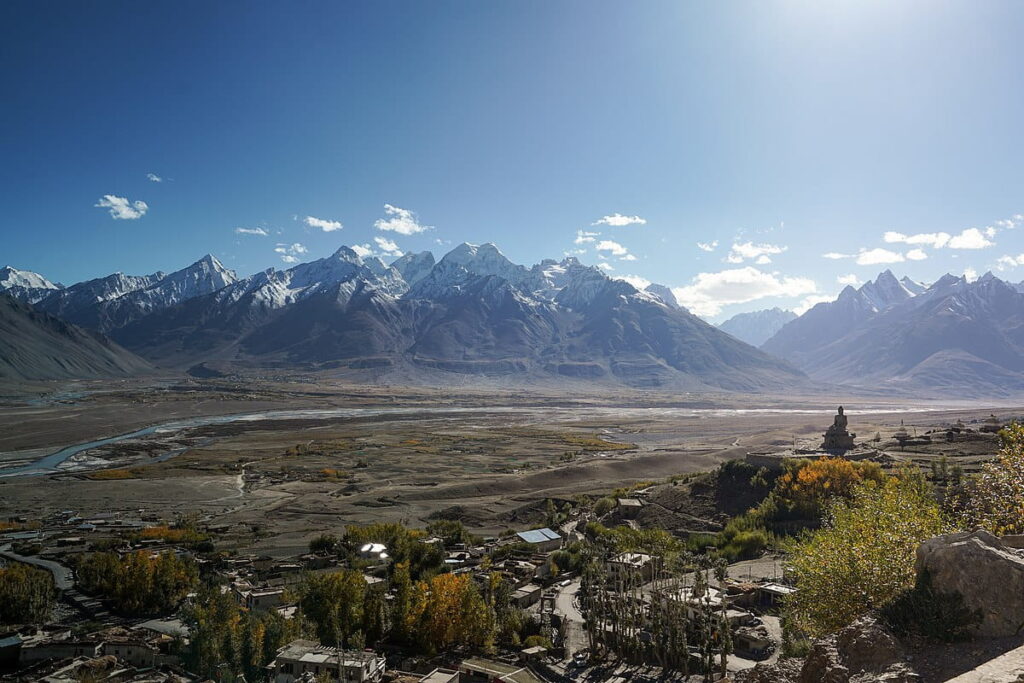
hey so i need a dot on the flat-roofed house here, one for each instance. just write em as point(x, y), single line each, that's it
point(543, 540)
point(301, 657)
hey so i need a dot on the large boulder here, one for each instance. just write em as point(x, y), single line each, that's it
point(863, 652)
point(987, 572)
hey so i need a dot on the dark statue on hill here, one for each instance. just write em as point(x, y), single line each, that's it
point(837, 438)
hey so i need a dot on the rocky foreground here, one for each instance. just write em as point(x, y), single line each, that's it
point(985, 570)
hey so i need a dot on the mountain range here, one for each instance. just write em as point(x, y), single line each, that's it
point(757, 327)
point(473, 312)
point(954, 338)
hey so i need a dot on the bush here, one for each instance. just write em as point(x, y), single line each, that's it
point(324, 544)
point(604, 506)
point(864, 555)
point(924, 611)
point(534, 641)
point(995, 500)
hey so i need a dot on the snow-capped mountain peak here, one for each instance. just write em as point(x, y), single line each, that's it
point(25, 285)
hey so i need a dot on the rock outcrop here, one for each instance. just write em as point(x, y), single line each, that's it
point(987, 572)
point(863, 652)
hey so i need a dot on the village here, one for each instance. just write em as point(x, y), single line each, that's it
point(592, 593)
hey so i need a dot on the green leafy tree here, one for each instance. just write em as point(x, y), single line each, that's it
point(863, 556)
point(228, 641)
point(995, 499)
point(333, 603)
point(324, 544)
point(138, 583)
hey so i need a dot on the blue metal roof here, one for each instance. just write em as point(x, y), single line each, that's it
point(11, 641)
point(538, 535)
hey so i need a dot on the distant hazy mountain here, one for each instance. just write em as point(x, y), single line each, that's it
point(956, 338)
point(800, 339)
point(111, 302)
point(472, 312)
point(757, 327)
point(38, 346)
point(24, 285)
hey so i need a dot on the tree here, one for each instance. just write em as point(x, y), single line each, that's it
point(334, 605)
point(450, 531)
point(448, 611)
point(324, 544)
point(806, 487)
point(27, 595)
point(995, 499)
point(138, 583)
point(228, 641)
point(864, 554)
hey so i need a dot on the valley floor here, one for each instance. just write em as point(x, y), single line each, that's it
point(491, 459)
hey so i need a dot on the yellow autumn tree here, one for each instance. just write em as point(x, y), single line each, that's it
point(864, 554)
point(807, 487)
point(995, 499)
point(448, 611)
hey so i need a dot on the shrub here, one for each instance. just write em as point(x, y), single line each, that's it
point(604, 506)
point(995, 500)
point(924, 611)
point(864, 555)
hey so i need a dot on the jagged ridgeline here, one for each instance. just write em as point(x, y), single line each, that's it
point(471, 313)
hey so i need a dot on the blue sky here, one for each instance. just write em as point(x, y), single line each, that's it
point(791, 130)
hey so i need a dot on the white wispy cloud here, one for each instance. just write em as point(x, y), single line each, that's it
point(850, 279)
point(971, 274)
point(322, 223)
point(871, 257)
point(122, 209)
point(917, 255)
point(290, 253)
point(835, 255)
point(614, 248)
point(762, 253)
point(402, 221)
point(628, 257)
point(605, 266)
point(251, 231)
point(617, 220)
point(637, 281)
point(387, 247)
point(584, 237)
point(153, 177)
point(935, 240)
point(709, 292)
point(1008, 261)
point(707, 246)
point(971, 238)
point(362, 250)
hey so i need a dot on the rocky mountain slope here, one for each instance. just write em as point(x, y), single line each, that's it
point(800, 339)
point(108, 303)
point(24, 285)
point(38, 346)
point(473, 312)
point(757, 327)
point(955, 338)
